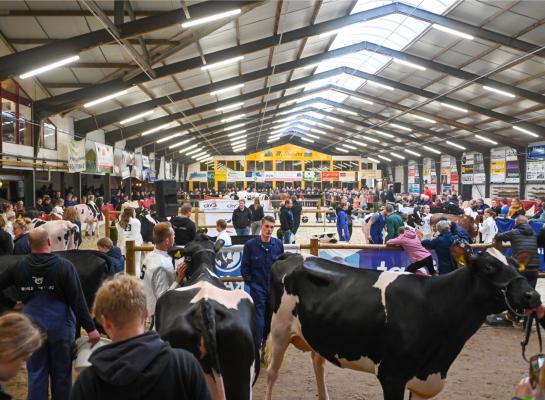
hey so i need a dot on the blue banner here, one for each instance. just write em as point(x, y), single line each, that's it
point(536, 152)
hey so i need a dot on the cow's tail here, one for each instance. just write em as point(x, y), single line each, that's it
point(209, 348)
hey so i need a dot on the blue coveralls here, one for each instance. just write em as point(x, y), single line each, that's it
point(257, 260)
point(376, 229)
point(342, 226)
point(51, 292)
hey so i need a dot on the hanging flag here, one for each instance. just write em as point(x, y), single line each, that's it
point(161, 175)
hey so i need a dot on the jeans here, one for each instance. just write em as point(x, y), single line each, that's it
point(287, 236)
point(255, 227)
point(243, 231)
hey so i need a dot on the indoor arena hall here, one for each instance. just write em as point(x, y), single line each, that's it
point(272, 200)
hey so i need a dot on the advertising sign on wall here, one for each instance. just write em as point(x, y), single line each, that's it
point(200, 176)
point(330, 176)
point(498, 167)
point(535, 166)
point(347, 176)
point(512, 166)
point(467, 168)
point(76, 156)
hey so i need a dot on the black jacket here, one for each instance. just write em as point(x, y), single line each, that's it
point(6, 243)
point(21, 246)
point(58, 277)
point(242, 218)
point(142, 367)
point(286, 219)
point(522, 238)
point(4, 395)
point(257, 214)
point(541, 239)
point(296, 212)
point(184, 230)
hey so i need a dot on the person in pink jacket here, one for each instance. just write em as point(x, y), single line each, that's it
point(420, 257)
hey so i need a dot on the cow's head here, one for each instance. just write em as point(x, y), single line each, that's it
point(199, 253)
point(499, 275)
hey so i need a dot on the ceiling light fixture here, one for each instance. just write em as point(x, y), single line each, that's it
point(404, 128)
point(381, 133)
point(452, 31)
point(105, 98)
point(194, 22)
point(166, 138)
point(243, 136)
point(397, 155)
point(380, 85)
point(357, 143)
point(230, 128)
point(485, 139)
point(304, 139)
point(454, 107)
point(325, 125)
point(409, 64)
point(236, 143)
point(370, 139)
point(414, 153)
point(49, 67)
point(318, 131)
point(340, 121)
point(234, 105)
point(374, 160)
point(344, 110)
point(227, 89)
point(237, 133)
point(311, 135)
point(349, 146)
point(173, 146)
point(455, 145)
point(498, 91)
point(189, 148)
point(135, 117)
point(221, 63)
point(526, 131)
point(239, 149)
point(384, 158)
point(156, 129)
point(432, 149)
point(341, 150)
point(361, 100)
point(431, 121)
point(233, 118)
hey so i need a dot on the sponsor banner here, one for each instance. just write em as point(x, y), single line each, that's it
point(76, 156)
point(210, 178)
point(234, 176)
point(224, 205)
point(535, 171)
point(330, 176)
point(137, 167)
point(145, 162)
point(126, 160)
point(498, 166)
point(200, 176)
point(288, 152)
point(467, 168)
point(371, 174)
point(312, 176)
point(479, 176)
point(118, 161)
point(512, 166)
point(221, 176)
point(536, 152)
point(347, 176)
point(288, 175)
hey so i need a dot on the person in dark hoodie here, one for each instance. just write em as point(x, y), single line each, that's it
point(137, 364)
point(184, 229)
point(242, 218)
point(20, 231)
point(51, 293)
point(286, 221)
point(106, 246)
point(296, 210)
point(523, 240)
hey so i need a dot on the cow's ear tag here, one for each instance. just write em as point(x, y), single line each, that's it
point(178, 254)
point(460, 256)
point(523, 258)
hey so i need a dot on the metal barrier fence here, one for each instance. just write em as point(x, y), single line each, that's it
point(314, 248)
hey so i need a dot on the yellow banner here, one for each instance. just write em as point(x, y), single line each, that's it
point(288, 152)
point(221, 176)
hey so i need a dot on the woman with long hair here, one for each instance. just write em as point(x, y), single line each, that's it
point(19, 338)
point(488, 228)
point(257, 216)
point(128, 228)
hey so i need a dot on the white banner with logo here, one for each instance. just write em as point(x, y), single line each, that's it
point(234, 176)
point(347, 176)
point(105, 157)
point(200, 176)
point(215, 209)
point(76, 156)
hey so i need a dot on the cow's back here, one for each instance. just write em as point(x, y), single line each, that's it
point(183, 318)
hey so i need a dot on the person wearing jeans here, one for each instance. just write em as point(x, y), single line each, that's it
point(286, 221)
point(242, 218)
point(257, 216)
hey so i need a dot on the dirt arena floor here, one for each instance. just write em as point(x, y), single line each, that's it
point(489, 366)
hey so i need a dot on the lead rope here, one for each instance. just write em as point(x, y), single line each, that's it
point(528, 332)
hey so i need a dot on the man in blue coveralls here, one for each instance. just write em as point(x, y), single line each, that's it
point(51, 292)
point(259, 255)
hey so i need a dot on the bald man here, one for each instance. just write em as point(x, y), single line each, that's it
point(49, 287)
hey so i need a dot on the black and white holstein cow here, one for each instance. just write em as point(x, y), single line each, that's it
point(215, 324)
point(406, 329)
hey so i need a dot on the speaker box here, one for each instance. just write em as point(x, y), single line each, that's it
point(397, 187)
point(166, 198)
